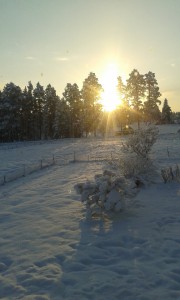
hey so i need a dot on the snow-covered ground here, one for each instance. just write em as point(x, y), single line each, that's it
point(20, 159)
point(49, 250)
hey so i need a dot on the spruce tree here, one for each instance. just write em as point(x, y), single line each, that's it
point(166, 112)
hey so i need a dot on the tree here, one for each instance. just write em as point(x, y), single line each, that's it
point(91, 92)
point(50, 101)
point(123, 110)
point(72, 97)
point(151, 109)
point(1, 119)
point(39, 101)
point(135, 92)
point(11, 112)
point(27, 123)
point(175, 116)
point(166, 112)
point(61, 125)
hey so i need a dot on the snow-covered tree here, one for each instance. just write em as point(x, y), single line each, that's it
point(50, 101)
point(27, 121)
point(39, 100)
point(151, 109)
point(121, 88)
point(175, 117)
point(136, 91)
point(166, 112)
point(11, 98)
point(72, 97)
point(61, 125)
point(91, 93)
point(123, 110)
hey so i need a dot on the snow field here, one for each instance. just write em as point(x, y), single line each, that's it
point(49, 250)
point(26, 158)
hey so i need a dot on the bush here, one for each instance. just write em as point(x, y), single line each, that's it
point(112, 190)
point(133, 166)
point(136, 161)
point(141, 141)
point(171, 174)
point(109, 192)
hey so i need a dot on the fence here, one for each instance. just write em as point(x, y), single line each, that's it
point(75, 156)
point(15, 145)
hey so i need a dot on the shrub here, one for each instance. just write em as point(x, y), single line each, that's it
point(171, 174)
point(133, 166)
point(112, 190)
point(136, 161)
point(109, 192)
point(142, 141)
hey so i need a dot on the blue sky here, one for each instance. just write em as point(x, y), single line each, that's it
point(61, 41)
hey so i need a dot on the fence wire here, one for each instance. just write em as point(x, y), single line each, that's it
point(59, 160)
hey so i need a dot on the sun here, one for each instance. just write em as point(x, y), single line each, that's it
point(109, 97)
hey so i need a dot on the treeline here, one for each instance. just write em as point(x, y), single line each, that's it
point(36, 113)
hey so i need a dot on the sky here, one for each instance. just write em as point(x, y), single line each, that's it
point(62, 41)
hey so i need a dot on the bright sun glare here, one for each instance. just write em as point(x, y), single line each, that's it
point(109, 97)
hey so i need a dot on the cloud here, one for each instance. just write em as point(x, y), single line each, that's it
point(61, 58)
point(30, 58)
point(173, 62)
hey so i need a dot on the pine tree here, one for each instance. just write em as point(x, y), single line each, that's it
point(135, 92)
point(50, 102)
point(27, 123)
point(151, 109)
point(166, 113)
point(61, 127)
point(72, 97)
point(39, 100)
point(91, 92)
point(123, 110)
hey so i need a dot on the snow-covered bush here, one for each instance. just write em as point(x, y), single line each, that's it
point(136, 161)
point(112, 190)
point(171, 174)
point(141, 141)
point(108, 192)
point(132, 166)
